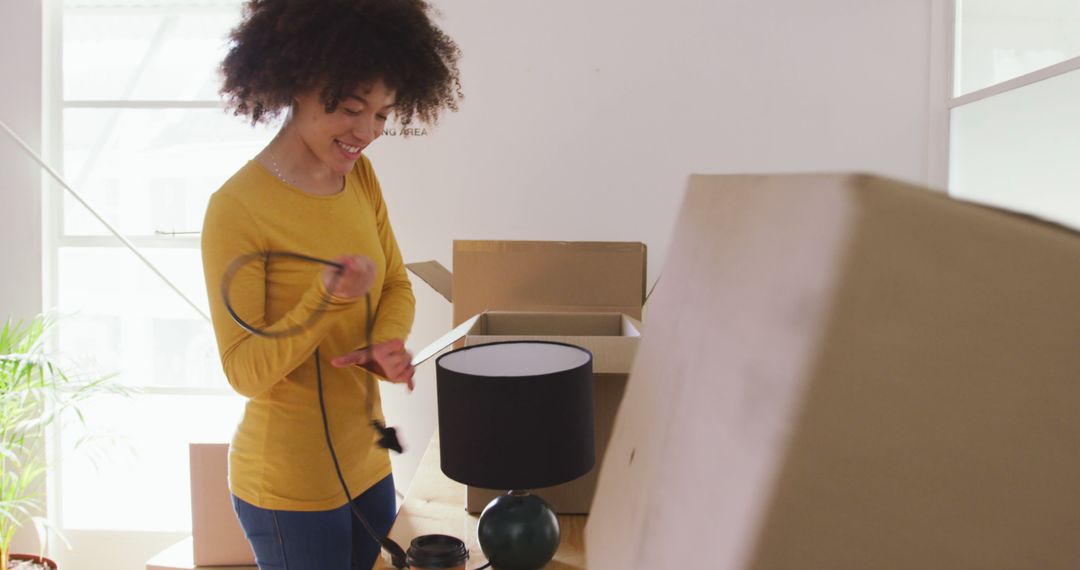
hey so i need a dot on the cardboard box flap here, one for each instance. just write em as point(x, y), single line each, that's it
point(442, 343)
point(652, 289)
point(435, 275)
point(541, 275)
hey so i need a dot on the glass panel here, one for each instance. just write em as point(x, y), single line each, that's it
point(998, 40)
point(1019, 150)
point(132, 50)
point(133, 473)
point(116, 310)
point(151, 169)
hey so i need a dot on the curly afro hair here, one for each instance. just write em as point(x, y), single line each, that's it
point(286, 47)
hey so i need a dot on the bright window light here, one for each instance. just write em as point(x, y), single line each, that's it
point(145, 139)
point(1013, 139)
point(150, 170)
point(136, 479)
point(998, 40)
point(1019, 150)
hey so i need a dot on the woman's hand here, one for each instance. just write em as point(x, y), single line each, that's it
point(353, 280)
point(388, 359)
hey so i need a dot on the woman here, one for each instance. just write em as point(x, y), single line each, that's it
point(339, 69)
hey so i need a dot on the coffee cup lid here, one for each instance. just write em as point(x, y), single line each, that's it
point(437, 551)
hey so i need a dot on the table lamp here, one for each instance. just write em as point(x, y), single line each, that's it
point(516, 415)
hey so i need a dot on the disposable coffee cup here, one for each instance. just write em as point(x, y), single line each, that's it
point(437, 552)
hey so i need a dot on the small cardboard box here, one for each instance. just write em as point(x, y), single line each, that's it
point(587, 293)
point(848, 372)
point(217, 538)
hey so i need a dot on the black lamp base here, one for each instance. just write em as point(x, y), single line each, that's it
point(518, 531)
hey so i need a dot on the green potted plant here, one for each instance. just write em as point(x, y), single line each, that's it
point(35, 391)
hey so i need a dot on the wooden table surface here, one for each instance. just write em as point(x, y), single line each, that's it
point(435, 504)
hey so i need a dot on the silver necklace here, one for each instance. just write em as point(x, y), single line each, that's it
point(281, 175)
point(277, 169)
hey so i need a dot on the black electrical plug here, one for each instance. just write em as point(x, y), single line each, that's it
point(388, 438)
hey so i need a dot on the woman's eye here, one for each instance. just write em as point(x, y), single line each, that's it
point(382, 117)
point(353, 113)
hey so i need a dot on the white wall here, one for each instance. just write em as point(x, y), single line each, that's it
point(582, 121)
point(20, 199)
point(20, 181)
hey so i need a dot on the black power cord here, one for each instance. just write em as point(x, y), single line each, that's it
point(397, 554)
point(387, 436)
point(239, 262)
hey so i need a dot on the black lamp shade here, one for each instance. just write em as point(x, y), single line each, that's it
point(516, 415)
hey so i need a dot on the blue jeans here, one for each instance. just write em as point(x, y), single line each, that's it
point(319, 540)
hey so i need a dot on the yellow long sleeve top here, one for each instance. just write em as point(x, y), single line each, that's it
point(278, 458)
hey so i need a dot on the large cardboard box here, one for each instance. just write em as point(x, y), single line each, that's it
point(847, 372)
point(585, 293)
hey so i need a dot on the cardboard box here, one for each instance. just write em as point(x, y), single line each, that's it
point(613, 340)
point(587, 293)
point(847, 372)
point(217, 538)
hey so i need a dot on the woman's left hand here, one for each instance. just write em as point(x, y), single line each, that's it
point(388, 359)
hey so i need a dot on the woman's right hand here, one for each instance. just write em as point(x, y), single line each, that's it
point(353, 280)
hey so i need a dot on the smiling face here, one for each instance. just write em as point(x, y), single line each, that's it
point(336, 139)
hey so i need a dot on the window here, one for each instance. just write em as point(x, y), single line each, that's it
point(141, 134)
point(1014, 120)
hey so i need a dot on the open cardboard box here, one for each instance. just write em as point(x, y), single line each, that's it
point(611, 337)
point(588, 294)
